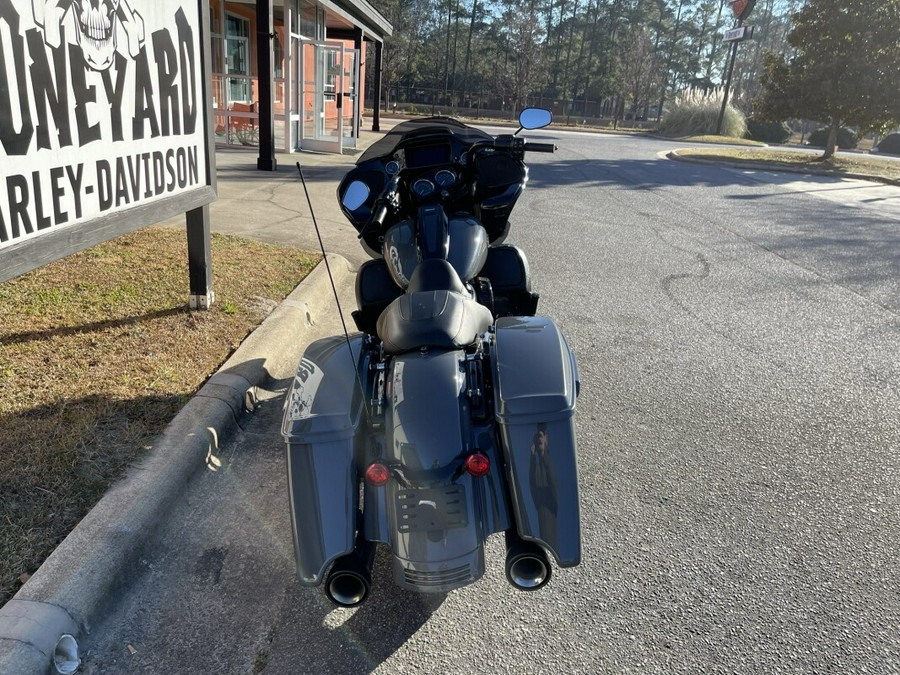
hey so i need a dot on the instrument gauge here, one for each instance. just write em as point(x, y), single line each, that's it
point(423, 187)
point(445, 178)
point(392, 168)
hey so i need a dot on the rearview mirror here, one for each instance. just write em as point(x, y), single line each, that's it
point(534, 118)
point(355, 196)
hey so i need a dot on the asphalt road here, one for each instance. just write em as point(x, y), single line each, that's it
point(736, 334)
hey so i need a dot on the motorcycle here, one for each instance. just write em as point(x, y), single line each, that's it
point(449, 416)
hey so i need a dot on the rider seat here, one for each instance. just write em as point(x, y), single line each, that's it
point(436, 311)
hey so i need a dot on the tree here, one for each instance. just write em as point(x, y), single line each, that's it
point(845, 68)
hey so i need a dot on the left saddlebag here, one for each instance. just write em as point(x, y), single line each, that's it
point(322, 417)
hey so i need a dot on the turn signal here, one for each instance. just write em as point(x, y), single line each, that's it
point(377, 474)
point(478, 464)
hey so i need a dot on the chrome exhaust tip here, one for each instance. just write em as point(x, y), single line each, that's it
point(346, 587)
point(527, 566)
point(350, 577)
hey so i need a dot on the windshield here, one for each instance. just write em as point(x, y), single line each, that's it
point(438, 126)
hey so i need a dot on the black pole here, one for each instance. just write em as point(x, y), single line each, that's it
point(376, 107)
point(199, 258)
point(265, 75)
point(727, 84)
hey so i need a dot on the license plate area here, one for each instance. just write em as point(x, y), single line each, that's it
point(430, 509)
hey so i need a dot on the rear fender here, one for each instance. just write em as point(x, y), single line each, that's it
point(322, 416)
point(434, 517)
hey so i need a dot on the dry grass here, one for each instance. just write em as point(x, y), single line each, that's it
point(841, 164)
point(98, 352)
point(721, 140)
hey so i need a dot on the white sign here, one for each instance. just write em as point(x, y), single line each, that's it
point(739, 33)
point(102, 110)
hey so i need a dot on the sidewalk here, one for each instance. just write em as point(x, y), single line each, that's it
point(70, 592)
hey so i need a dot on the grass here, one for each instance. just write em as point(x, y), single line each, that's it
point(728, 140)
point(98, 352)
point(839, 164)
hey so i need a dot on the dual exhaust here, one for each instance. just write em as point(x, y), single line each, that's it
point(350, 578)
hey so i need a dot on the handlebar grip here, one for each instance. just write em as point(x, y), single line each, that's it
point(540, 147)
point(376, 219)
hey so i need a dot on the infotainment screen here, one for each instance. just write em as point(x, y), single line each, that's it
point(418, 157)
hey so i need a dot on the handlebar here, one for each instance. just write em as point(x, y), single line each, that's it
point(540, 147)
point(382, 207)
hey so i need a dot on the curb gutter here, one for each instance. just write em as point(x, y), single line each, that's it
point(72, 588)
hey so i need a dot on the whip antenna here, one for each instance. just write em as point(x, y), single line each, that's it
point(337, 300)
point(312, 214)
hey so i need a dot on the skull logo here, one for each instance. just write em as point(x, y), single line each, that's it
point(97, 34)
point(97, 24)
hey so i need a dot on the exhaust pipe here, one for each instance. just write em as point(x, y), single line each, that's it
point(350, 577)
point(527, 566)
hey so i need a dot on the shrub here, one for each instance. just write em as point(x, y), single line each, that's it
point(768, 132)
point(847, 140)
point(890, 145)
point(697, 114)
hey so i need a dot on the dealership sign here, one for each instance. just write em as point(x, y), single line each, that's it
point(103, 122)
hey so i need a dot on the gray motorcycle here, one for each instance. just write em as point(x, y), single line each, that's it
point(449, 416)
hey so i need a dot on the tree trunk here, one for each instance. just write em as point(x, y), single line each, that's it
point(831, 146)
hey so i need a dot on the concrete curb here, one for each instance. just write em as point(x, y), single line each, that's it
point(70, 590)
point(762, 166)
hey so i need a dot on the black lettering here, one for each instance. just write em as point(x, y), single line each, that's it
point(121, 183)
point(134, 176)
point(114, 93)
point(84, 94)
point(104, 184)
point(193, 166)
point(44, 92)
point(188, 74)
point(181, 165)
point(170, 170)
point(43, 222)
point(14, 142)
point(167, 71)
point(18, 205)
point(146, 157)
point(159, 181)
point(144, 110)
point(56, 192)
point(3, 235)
point(75, 182)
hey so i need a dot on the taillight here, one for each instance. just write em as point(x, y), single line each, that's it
point(478, 464)
point(377, 474)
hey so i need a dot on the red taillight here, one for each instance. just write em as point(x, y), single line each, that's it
point(478, 464)
point(377, 474)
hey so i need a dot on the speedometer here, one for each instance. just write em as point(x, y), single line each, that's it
point(423, 187)
point(445, 178)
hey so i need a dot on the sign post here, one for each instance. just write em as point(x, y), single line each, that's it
point(741, 10)
point(104, 127)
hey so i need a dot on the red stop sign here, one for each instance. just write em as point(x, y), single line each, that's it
point(742, 8)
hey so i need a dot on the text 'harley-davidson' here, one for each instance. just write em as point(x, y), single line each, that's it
point(449, 416)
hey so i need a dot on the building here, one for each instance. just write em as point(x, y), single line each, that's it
point(303, 88)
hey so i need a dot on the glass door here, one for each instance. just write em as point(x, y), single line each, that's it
point(327, 81)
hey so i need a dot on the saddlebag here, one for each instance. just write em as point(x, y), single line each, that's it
point(322, 415)
point(536, 384)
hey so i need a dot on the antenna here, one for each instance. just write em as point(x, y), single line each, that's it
point(337, 300)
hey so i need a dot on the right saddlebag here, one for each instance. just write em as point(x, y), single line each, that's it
point(535, 387)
